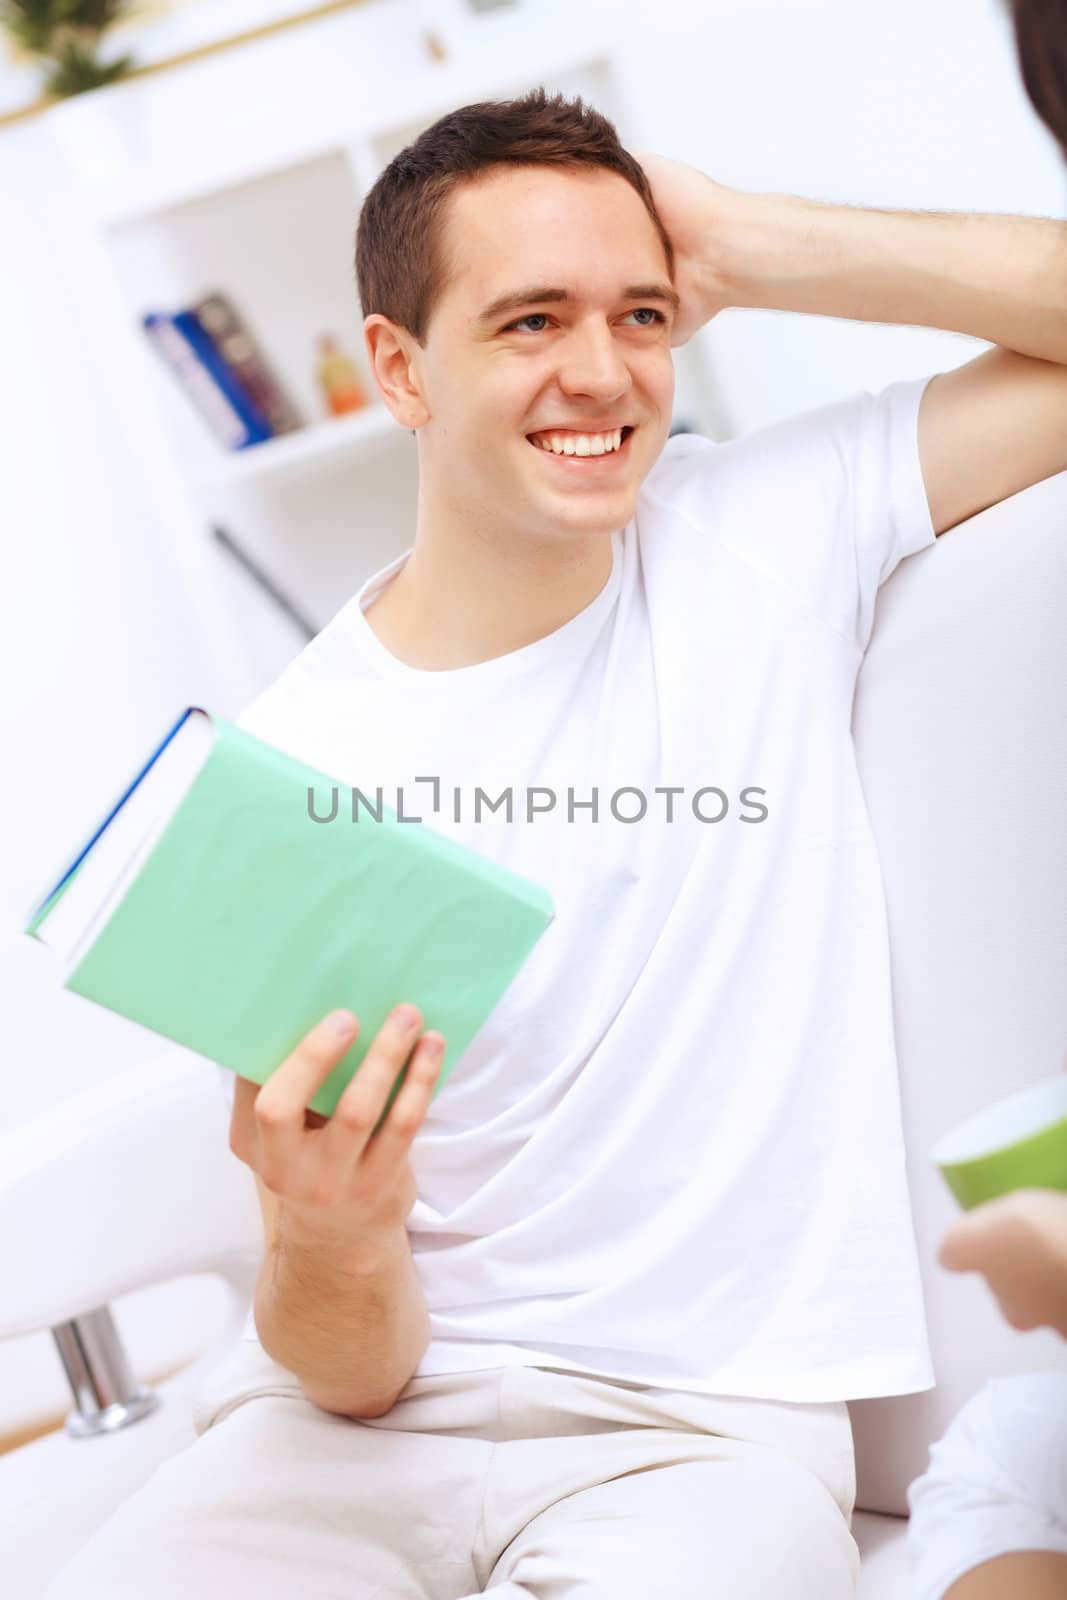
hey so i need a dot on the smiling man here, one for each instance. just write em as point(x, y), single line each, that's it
point(565, 358)
point(539, 406)
point(660, 1229)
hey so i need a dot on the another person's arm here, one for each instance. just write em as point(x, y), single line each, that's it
point(1016, 1575)
point(338, 1301)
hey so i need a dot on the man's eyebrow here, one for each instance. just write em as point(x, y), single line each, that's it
point(541, 294)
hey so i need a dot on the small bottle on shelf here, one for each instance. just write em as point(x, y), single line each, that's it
point(337, 378)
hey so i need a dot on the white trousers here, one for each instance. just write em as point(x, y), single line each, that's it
point(530, 1481)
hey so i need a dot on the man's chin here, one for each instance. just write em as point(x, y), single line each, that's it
point(587, 517)
point(609, 501)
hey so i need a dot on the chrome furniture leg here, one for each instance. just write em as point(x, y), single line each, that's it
point(105, 1391)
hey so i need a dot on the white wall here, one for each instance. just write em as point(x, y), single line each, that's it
point(115, 611)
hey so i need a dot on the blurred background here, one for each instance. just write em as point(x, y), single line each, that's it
point(197, 471)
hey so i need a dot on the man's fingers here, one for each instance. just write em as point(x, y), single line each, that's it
point(361, 1104)
point(270, 1121)
point(279, 1107)
point(394, 1137)
point(287, 1091)
point(242, 1119)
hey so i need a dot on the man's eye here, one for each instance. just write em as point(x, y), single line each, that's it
point(533, 315)
point(531, 318)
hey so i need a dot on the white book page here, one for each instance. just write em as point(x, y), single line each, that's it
point(81, 913)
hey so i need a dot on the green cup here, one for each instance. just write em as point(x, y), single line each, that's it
point(1018, 1143)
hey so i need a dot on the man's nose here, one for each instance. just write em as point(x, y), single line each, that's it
point(593, 364)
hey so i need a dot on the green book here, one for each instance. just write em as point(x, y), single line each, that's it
point(211, 906)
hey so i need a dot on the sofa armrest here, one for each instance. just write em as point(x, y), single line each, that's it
point(959, 718)
point(126, 1184)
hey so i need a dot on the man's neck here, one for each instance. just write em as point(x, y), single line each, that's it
point(443, 612)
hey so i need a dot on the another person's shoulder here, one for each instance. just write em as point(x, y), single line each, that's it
point(1007, 1443)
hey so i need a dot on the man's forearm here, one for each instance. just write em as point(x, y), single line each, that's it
point(353, 1332)
point(998, 278)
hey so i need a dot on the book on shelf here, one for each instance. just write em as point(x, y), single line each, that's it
point(244, 356)
point(190, 353)
point(220, 904)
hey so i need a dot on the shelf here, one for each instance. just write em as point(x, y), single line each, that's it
point(294, 453)
point(165, 191)
point(192, 163)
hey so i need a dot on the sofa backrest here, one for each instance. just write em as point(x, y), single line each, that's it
point(959, 724)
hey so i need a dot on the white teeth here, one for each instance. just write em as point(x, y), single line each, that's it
point(581, 444)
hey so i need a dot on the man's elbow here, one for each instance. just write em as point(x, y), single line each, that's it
point(344, 1406)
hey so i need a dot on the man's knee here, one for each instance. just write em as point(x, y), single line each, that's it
point(759, 1526)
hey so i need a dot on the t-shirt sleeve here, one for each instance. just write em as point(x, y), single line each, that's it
point(890, 517)
point(824, 505)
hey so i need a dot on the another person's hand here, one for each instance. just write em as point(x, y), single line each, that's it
point(1019, 1243)
point(341, 1179)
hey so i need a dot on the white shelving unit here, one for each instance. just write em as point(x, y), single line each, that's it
point(265, 211)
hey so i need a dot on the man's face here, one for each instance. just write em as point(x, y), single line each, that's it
point(597, 362)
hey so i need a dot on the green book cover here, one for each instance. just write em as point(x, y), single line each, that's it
point(219, 913)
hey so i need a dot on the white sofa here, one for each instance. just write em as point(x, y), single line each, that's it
point(959, 723)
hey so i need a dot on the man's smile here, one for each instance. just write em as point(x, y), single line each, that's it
point(597, 466)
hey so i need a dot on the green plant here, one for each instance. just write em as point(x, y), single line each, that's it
point(67, 34)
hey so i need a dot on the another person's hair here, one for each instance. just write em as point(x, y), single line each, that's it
point(1041, 46)
point(401, 270)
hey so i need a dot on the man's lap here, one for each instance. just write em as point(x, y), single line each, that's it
point(519, 1477)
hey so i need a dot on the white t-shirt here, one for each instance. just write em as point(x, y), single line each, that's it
point(673, 1154)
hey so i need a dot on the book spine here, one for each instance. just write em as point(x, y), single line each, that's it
point(211, 402)
point(245, 357)
point(259, 429)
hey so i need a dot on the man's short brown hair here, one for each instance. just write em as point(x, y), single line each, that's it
point(400, 267)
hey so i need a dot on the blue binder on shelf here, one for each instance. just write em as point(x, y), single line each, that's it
point(190, 353)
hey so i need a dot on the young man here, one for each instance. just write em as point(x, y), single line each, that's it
point(587, 1320)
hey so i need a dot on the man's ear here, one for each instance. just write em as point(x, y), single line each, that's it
point(392, 365)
